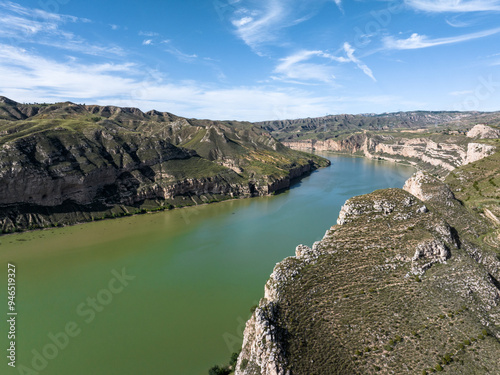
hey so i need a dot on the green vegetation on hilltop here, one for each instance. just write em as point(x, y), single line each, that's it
point(477, 186)
point(85, 162)
point(338, 126)
point(401, 286)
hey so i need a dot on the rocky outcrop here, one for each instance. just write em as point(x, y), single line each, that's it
point(382, 274)
point(478, 151)
point(481, 131)
point(65, 163)
point(422, 152)
point(428, 188)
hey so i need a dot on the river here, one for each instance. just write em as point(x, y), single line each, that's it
point(165, 293)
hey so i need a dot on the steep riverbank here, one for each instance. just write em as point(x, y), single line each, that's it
point(437, 153)
point(405, 283)
point(67, 163)
point(186, 263)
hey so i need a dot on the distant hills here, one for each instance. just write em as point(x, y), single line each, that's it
point(329, 126)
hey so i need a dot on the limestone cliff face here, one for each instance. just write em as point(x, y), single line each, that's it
point(75, 175)
point(483, 131)
point(67, 163)
point(371, 293)
point(429, 189)
point(478, 151)
point(443, 156)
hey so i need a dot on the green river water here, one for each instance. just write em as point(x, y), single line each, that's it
point(193, 275)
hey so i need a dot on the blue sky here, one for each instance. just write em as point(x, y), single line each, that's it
point(254, 59)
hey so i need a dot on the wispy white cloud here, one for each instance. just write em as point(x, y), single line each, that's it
point(298, 68)
point(29, 77)
point(259, 26)
point(454, 6)
point(56, 79)
point(263, 21)
point(349, 50)
point(37, 13)
point(457, 23)
point(147, 42)
point(26, 25)
point(148, 33)
point(462, 93)
point(339, 4)
point(170, 48)
point(417, 41)
point(295, 67)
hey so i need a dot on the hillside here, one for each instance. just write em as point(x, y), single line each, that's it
point(65, 163)
point(405, 283)
point(332, 126)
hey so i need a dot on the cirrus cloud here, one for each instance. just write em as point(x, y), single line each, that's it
point(454, 6)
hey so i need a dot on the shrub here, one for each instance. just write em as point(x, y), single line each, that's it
point(244, 364)
point(218, 370)
point(439, 367)
point(447, 359)
point(234, 359)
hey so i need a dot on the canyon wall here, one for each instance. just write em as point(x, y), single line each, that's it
point(441, 156)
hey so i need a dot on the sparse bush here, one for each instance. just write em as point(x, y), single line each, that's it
point(234, 359)
point(243, 364)
point(218, 370)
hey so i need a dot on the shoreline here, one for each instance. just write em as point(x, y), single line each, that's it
point(144, 211)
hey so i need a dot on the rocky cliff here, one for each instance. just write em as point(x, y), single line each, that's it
point(436, 153)
point(66, 163)
point(405, 283)
point(482, 131)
